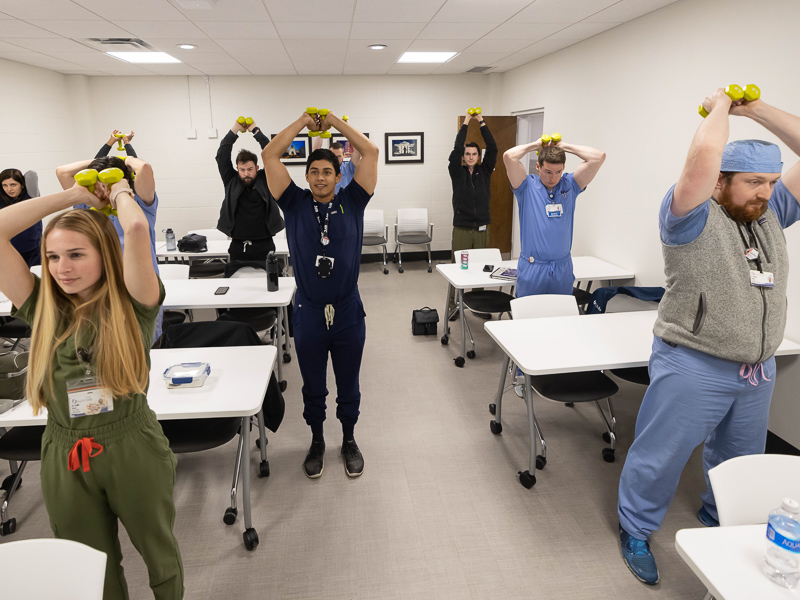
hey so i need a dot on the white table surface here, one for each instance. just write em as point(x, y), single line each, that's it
point(585, 268)
point(235, 388)
point(243, 292)
point(216, 249)
point(728, 561)
point(584, 342)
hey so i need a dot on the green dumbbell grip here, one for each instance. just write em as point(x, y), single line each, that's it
point(345, 118)
point(477, 110)
point(313, 133)
point(546, 139)
point(734, 92)
point(248, 121)
point(323, 112)
point(471, 111)
point(312, 110)
point(325, 134)
point(241, 120)
point(555, 137)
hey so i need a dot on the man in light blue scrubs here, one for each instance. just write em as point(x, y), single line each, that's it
point(346, 168)
point(722, 317)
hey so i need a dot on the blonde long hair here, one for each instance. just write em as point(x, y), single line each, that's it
point(119, 358)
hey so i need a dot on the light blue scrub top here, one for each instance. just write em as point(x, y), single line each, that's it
point(347, 170)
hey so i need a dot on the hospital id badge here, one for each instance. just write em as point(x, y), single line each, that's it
point(87, 398)
point(760, 279)
point(554, 210)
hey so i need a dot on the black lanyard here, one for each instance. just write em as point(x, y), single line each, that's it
point(752, 242)
point(323, 229)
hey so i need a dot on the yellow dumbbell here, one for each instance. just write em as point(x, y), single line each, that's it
point(325, 134)
point(546, 139)
point(735, 93)
point(555, 137)
point(241, 121)
point(89, 177)
point(313, 133)
point(119, 137)
point(312, 110)
point(474, 111)
point(345, 118)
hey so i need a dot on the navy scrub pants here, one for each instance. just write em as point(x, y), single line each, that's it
point(344, 340)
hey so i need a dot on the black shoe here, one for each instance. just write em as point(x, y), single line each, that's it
point(353, 461)
point(453, 315)
point(313, 464)
point(486, 316)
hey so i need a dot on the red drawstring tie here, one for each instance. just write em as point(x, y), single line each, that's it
point(86, 445)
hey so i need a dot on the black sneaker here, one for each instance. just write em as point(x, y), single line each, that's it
point(353, 461)
point(313, 464)
point(453, 315)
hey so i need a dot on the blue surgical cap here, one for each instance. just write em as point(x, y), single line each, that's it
point(751, 156)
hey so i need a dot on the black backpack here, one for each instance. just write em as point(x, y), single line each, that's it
point(194, 242)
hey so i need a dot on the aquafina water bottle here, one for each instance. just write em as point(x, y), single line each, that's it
point(782, 562)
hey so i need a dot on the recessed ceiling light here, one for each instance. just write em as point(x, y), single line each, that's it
point(144, 57)
point(426, 57)
point(187, 46)
point(377, 46)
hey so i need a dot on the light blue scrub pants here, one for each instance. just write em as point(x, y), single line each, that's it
point(693, 397)
point(544, 277)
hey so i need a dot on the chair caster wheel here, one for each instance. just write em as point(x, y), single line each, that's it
point(606, 438)
point(287, 358)
point(492, 408)
point(401, 269)
point(6, 485)
point(250, 537)
point(569, 404)
point(263, 468)
point(608, 455)
point(8, 527)
point(445, 340)
point(497, 428)
point(459, 361)
point(283, 385)
point(229, 518)
point(541, 461)
point(430, 270)
point(386, 271)
point(526, 479)
point(471, 354)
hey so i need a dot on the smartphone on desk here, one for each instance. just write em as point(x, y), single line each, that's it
point(488, 268)
point(221, 291)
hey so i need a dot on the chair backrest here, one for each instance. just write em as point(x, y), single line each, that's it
point(412, 220)
point(481, 256)
point(544, 305)
point(211, 234)
point(37, 270)
point(747, 488)
point(248, 272)
point(172, 271)
point(210, 334)
point(373, 222)
point(73, 571)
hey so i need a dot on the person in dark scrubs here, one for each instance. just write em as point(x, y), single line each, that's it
point(324, 230)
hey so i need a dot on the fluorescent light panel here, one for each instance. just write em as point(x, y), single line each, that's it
point(426, 57)
point(144, 57)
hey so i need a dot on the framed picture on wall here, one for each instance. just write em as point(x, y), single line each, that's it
point(348, 147)
point(297, 153)
point(405, 148)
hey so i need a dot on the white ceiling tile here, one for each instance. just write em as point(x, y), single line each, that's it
point(383, 11)
point(255, 47)
point(126, 10)
point(627, 10)
point(83, 29)
point(173, 69)
point(301, 30)
point(192, 57)
point(318, 46)
point(12, 28)
point(271, 69)
point(440, 45)
point(455, 31)
point(533, 32)
point(373, 69)
point(378, 33)
point(412, 69)
point(582, 31)
point(5, 16)
point(227, 30)
point(53, 9)
point(310, 10)
point(222, 69)
point(467, 60)
point(359, 51)
point(479, 11)
point(228, 10)
point(170, 45)
point(160, 29)
point(507, 46)
point(553, 11)
point(87, 72)
point(534, 51)
point(52, 45)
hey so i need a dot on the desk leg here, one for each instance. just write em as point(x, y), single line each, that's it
point(278, 338)
point(460, 359)
point(528, 478)
point(250, 536)
point(495, 408)
point(446, 336)
point(287, 340)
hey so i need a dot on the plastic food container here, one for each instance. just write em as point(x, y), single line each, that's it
point(186, 375)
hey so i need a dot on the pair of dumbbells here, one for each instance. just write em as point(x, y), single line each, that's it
point(89, 177)
point(474, 111)
point(322, 113)
point(736, 93)
point(245, 121)
point(553, 137)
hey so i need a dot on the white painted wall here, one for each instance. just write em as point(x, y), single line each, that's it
point(633, 91)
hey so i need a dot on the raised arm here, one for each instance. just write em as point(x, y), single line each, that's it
point(145, 182)
point(226, 170)
point(490, 157)
point(16, 280)
point(592, 161)
point(454, 160)
point(366, 174)
point(278, 178)
point(701, 170)
point(512, 159)
point(66, 173)
point(261, 138)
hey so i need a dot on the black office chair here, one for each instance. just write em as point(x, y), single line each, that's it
point(14, 330)
point(260, 319)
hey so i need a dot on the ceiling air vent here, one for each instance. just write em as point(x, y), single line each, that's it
point(119, 44)
point(478, 69)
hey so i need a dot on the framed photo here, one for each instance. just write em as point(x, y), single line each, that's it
point(298, 152)
point(348, 147)
point(405, 148)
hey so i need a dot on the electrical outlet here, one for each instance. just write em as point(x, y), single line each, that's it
point(212, 134)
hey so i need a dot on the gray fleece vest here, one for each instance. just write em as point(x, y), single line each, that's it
point(710, 304)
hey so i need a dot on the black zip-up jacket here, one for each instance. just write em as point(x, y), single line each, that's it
point(471, 192)
point(234, 187)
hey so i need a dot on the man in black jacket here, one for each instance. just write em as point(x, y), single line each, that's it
point(471, 193)
point(249, 214)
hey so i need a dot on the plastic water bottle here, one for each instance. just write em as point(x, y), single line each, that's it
point(272, 272)
point(464, 259)
point(170, 237)
point(782, 562)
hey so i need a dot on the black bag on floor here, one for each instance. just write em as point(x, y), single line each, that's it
point(194, 242)
point(424, 320)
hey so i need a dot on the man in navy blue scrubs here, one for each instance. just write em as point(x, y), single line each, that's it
point(324, 230)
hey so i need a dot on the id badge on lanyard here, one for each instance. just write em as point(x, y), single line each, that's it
point(554, 210)
point(86, 397)
point(759, 279)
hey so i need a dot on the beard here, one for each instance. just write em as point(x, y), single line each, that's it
point(746, 213)
point(248, 181)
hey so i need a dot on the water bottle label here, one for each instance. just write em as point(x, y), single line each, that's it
point(782, 541)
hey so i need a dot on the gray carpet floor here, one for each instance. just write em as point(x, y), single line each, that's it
point(439, 512)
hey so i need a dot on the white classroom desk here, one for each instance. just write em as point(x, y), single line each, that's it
point(585, 268)
point(216, 249)
point(551, 345)
point(728, 561)
point(244, 292)
point(235, 388)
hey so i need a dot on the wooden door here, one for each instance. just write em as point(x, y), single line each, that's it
point(504, 130)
